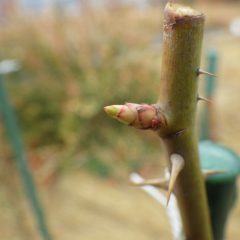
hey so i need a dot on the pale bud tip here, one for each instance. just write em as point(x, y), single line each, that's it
point(112, 111)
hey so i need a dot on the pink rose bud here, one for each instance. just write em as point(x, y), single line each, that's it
point(142, 116)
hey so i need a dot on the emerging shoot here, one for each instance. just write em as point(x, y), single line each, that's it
point(141, 116)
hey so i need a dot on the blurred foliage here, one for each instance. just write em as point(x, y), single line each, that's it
point(95, 165)
point(71, 69)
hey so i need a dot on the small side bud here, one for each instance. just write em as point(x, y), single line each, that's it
point(177, 162)
point(142, 116)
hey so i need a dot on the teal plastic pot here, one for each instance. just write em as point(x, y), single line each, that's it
point(221, 188)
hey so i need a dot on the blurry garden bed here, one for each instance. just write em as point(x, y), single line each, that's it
point(81, 160)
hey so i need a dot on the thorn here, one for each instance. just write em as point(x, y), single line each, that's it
point(177, 162)
point(208, 173)
point(157, 182)
point(204, 99)
point(201, 71)
point(175, 134)
point(180, 132)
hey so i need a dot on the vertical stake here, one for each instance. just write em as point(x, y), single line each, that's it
point(210, 85)
point(13, 132)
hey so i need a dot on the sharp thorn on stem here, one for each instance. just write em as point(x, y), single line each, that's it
point(204, 99)
point(175, 134)
point(180, 132)
point(201, 71)
point(208, 173)
point(157, 182)
point(177, 162)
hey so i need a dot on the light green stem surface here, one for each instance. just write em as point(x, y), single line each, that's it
point(183, 32)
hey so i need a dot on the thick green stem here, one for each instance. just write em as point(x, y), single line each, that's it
point(183, 31)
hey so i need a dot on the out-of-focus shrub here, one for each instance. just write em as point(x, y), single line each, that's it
point(72, 69)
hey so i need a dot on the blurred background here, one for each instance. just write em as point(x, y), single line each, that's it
point(73, 58)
